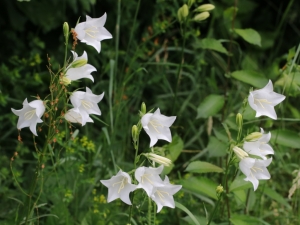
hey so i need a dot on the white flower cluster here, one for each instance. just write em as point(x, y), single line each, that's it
point(253, 161)
point(90, 32)
point(160, 191)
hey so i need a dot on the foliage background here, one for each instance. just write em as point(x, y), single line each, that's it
point(141, 66)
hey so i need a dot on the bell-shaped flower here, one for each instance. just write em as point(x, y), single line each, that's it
point(255, 169)
point(73, 115)
point(119, 186)
point(157, 126)
point(93, 31)
point(264, 100)
point(259, 147)
point(78, 69)
point(86, 103)
point(148, 177)
point(163, 195)
point(30, 114)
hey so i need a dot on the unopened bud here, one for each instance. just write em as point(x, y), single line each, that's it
point(253, 136)
point(239, 120)
point(159, 159)
point(240, 153)
point(191, 2)
point(66, 81)
point(66, 29)
point(143, 108)
point(134, 133)
point(182, 13)
point(201, 16)
point(205, 7)
point(219, 189)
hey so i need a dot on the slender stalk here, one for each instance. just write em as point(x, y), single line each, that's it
point(215, 209)
point(149, 210)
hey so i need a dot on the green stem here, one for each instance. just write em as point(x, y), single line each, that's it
point(215, 209)
point(149, 210)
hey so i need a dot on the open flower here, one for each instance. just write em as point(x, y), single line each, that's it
point(119, 186)
point(78, 69)
point(148, 177)
point(264, 100)
point(255, 169)
point(93, 31)
point(259, 147)
point(86, 103)
point(73, 115)
point(163, 195)
point(157, 126)
point(30, 114)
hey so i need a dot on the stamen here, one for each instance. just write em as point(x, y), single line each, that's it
point(146, 177)
point(28, 115)
point(122, 185)
point(155, 124)
point(161, 194)
point(260, 101)
point(91, 31)
point(86, 104)
point(256, 168)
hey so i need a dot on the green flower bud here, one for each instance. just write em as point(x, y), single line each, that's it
point(66, 81)
point(66, 29)
point(201, 16)
point(240, 153)
point(219, 190)
point(239, 119)
point(253, 136)
point(143, 108)
point(182, 13)
point(78, 63)
point(134, 133)
point(159, 159)
point(205, 7)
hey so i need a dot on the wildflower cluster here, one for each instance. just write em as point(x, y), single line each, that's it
point(253, 159)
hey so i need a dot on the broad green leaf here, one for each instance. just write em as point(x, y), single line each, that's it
point(201, 185)
point(240, 184)
point(240, 197)
point(212, 44)
point(215, 147)
point(275, 196)
point(201, 219)
point(286, 138)
point(210, 106)
point(250, 77)
point(202, 167)
point(246, 220)
point(291, 82)
point(249, 35)
point(230, 13)
point(191, 215)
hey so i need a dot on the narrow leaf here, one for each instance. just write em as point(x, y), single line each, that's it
point(286, 138)
point(213, 44)
point(210, 106)
point(250, 77)
point(203, 167)
point(183, 208)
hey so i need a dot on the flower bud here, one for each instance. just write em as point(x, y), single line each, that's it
point(205, 7)
point(134, 133)
point(66, 29)
point(66, 81)
point(159, 159)
point(219, 190)
point(191, 2)
point(239, 120)
point(240, 153)
point(253, 136)
point(78, 63)
point(143, 108)
point(201, 16)
point(182, 13)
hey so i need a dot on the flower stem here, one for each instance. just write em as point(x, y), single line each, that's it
point(149, 210)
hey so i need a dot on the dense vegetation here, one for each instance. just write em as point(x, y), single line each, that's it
point(199, 71)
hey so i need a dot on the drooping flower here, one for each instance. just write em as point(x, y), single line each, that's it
point(30, 114)
point(255, 169)
point(157, 126)
point(119, 186)
point(163, 195)
point(259, 147)
point(264, 100)
point(93, 31)
point(148, 177)
point(86, 103)
point(78, 69)
point(73, 115)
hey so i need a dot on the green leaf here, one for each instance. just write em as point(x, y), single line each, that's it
point(240, 184)
point(213, 44)
point(285, 138)
point(249, 35)
point(183, 208)
point(275, 196)
point(210, 106)
point(201, 185)
point(202, 167)
point(246, 220)
point(215, 147)
point(250, 77)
